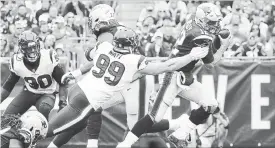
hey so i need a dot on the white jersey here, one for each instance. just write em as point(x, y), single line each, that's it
point(111, 72)
point(38, 81)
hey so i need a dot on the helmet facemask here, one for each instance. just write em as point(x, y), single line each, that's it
point(208, 17)
point(31, 50)
point(126, 45)
point(212, 27)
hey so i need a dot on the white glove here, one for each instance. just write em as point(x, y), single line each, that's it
point(199, 52)
point(226, 42)
point(67, 77)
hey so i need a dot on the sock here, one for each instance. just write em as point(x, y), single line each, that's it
point(52, 145)
point(175, 123)
point(92, 143)
point(184, 130)
point(163, 125)
point(143, 125)
point(130, 138)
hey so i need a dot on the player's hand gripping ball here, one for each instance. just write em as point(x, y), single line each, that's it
point(224, 33)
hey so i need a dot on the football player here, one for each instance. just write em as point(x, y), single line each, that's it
point(115, 67)
point(27, 129)
point(40, 71)
point(103, 25)
point(203, 30)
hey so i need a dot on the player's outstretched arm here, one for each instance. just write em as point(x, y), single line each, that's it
point(76, 73)
point(9, 85)
point(154, 68)
point(225, 42)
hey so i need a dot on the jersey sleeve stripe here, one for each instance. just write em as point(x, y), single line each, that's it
point(203, 37)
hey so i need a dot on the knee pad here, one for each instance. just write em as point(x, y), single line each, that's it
point(45, 109)
point(198, 116)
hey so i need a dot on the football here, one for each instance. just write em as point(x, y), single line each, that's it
point(224, 33)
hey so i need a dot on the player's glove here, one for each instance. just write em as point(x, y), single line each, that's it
point(225, 38)
point(67, 77)
point(198, 52)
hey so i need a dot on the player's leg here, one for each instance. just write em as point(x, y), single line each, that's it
point(45, 104)
point(165, 97)
point(74, 114)
point(64, 137)
point(22, 102)
point(93, 129)
point(198, 116)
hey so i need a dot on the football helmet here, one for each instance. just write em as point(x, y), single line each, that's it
point(34, 127)
point(208, 17)
point(100, 17)
point(125, 41)
point(29, 45)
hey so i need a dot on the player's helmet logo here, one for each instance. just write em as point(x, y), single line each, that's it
point(100, 17)
point(29, 45)
point(208, 17)
point(34, 127)
point(125, 40)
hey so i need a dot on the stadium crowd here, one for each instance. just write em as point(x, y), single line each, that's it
point(61, 25)
point(250, 21)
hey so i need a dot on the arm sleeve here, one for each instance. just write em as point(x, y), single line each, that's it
point(57, 74)
point(10, 82)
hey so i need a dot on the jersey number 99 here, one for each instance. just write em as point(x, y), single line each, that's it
point(115, 69)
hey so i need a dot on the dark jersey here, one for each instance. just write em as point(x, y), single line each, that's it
point(192, 36)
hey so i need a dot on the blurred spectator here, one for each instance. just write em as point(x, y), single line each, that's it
point(33, 6)
point(49, 42)
point(23, 17)
point(77, 8)
point(237, 12)
point(43, 28)
point(178, 11)
point(157, 49)
point(238, 35)
point(53, 13)
point(146, 12)
point(169, 32)
point(270, 45)
point(257, 21)
point(251, 48)
point(5, 51)
point(44, 9)
point(6, 20)
point(60, 50)
point(15, 30)
point(61, 32)
point(146, 34)
point(191, 7)
point(73, 23)
point(162, 10)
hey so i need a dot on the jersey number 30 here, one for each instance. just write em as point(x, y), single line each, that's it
point(42, 81)
point(115, 69)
